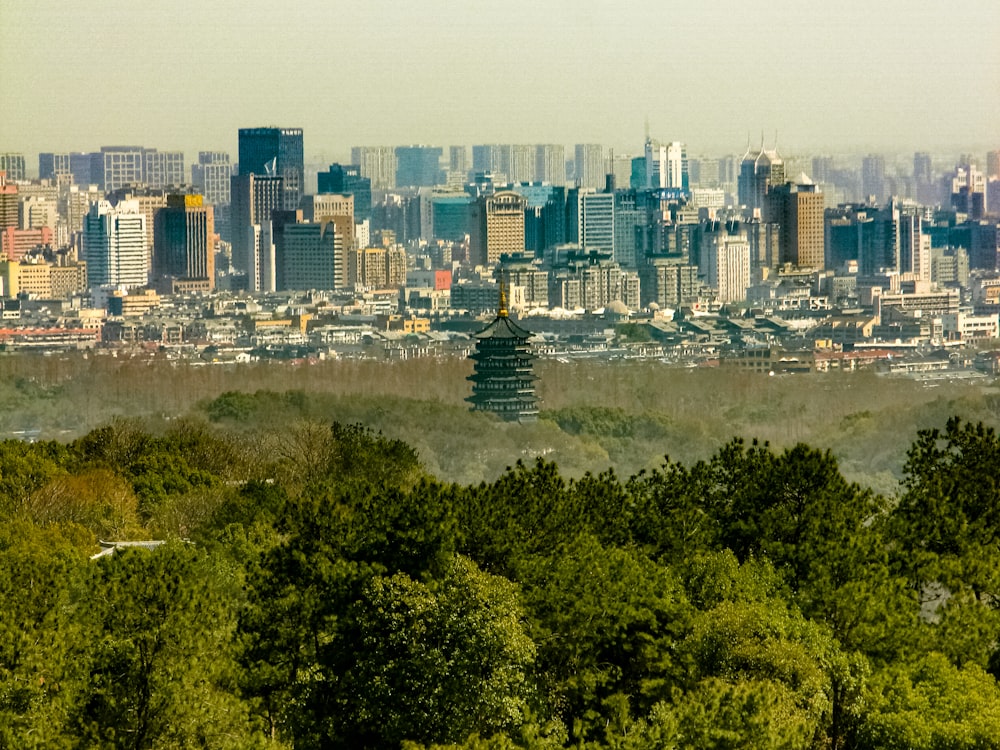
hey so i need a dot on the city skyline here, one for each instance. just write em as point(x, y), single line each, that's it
point(848, 78)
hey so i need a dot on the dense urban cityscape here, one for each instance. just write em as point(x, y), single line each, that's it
point(754, 260)
point(500, 376)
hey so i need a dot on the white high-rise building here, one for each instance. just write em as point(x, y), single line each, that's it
point(590, 171)
point(114, 244)
point(377, 163)
point(727, 262)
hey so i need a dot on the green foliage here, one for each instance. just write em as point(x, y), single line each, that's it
point(606, 621)
point(337, 595)
point(158, 672)
point(931, 705)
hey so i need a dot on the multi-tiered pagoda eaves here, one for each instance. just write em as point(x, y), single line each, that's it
point(504, 380)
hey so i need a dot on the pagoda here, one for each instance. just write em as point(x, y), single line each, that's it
point(503, 381)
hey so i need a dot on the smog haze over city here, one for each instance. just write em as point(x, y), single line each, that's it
point(838, 77)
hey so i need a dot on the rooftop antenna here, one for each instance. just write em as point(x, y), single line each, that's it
point(775, 140)
point(647, 128)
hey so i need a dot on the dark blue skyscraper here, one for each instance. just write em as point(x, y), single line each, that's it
point(278, 152)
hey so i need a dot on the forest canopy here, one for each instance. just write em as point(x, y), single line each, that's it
point(318, 587)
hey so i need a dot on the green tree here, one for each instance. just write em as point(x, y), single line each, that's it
point(605, 621)
point(160, 666)
point(42, 630)
point(931, 705)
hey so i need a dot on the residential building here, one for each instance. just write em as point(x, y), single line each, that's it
point(378, 164)
point(589, 161)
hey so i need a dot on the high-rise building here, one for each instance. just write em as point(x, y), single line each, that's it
point(163, 169)
point(550, 163)
point(418, 166)
point(677, 166)
point(798, 208)
point(922, 167)
point(377, 163)
point(873, 178)
point(275, 152)
point(458, 164)
point(517, 162)
point(13, 165)
point(211, 175)
point(9, 200)
point(314, 256)
point(725, 254)
point(968, 191)
point(993, 165)
point(630, 217)
point(759, 173)
point(85, 172)
point(486, 159)
point(117, 167)
point(114, 245)
point(53, 165)
point(590, 170)
point(254, 198)
point(499, 225)
point(593, 215)
point(347, 179)
point(333, 207)
point(184, 246)
point(150, 201)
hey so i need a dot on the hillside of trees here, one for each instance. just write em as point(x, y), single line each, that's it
point(321, 587)
point(595, 415)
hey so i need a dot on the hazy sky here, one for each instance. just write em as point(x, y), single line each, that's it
point(836, 76)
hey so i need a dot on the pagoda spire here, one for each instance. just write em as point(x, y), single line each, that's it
point(502, 311)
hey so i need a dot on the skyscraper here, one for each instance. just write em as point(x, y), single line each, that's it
point(595, 220)
point(184, 244)
point(499, 227)
point(590, 171)
point(254, 198)
point(275, 152)
point(798, 208)
point(759, 173)
point(114, 245)
point(968, 191)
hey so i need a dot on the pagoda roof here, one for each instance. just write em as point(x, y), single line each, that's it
point(502, 327)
